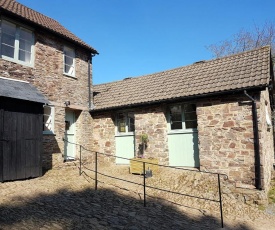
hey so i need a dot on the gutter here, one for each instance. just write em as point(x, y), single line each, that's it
point(258, 182)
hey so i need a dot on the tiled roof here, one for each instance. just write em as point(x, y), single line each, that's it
point(20, 90)
point(13, 7)
point(241, 71)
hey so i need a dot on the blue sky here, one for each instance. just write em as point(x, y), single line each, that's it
point(139, 37)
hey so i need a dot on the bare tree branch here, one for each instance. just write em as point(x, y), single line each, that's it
point(246, 40)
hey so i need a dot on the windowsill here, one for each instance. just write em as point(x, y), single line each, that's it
point(31, 65)
point(124, 134)
point(68, 75)
point(180, 131)
point(48, 133)
point(69, 159)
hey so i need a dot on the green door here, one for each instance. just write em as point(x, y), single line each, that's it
point(125, 148)
point(183, 136)
point(183, 149)
point(69, 148)
point(125, 138)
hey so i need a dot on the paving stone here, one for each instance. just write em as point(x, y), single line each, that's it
point(62, 199)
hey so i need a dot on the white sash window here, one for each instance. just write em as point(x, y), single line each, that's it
point(17, 43)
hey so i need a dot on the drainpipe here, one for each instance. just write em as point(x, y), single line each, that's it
point(89, 78)
point(258, 182)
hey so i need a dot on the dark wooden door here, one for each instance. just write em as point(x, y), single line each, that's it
point(21, 142)
point(1, 143)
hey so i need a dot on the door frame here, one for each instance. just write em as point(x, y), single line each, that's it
point(184, 132)
point(67, 143)
point(128, 135)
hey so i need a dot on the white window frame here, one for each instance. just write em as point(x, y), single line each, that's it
point(183, 129)
point(17, 43)
point(126, 120)
point(71, 72)
point(50, 120)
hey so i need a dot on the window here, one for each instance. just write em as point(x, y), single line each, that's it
point(190, 116)
point(176, 117)
point(69, 61)
point(125, 123)
point(183, 117)
point(16, 43)
point(48, 120)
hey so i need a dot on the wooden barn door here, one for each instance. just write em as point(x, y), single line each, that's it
point(20, 143)
point(1, 142)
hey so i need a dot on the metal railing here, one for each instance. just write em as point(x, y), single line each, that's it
point(96, 173)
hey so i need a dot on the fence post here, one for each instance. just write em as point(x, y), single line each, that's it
point(80, 162)
point(220, 196)
point(95, 170)
point(144, 185)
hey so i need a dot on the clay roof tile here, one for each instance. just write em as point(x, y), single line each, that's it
point(239, 71)
point(21, 11)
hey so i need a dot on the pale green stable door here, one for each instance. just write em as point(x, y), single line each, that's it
point(183, 136)
point(69, 135)
point(125, 138)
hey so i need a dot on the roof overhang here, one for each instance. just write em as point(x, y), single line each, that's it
point(21, 90)
point(180, 99)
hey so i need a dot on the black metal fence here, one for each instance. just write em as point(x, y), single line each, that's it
point(96, 172)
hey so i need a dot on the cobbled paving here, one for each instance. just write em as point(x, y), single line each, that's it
point(61, 199)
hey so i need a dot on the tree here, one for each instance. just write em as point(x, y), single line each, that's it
point(246, 40)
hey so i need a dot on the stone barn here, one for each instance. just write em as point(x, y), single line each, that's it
point(212, 115)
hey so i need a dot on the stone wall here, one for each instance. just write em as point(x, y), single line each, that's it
point(104, 134)
point(149, 120)
point(225, 129)
point(226, 139)
point(47, 76)
point(266, 140)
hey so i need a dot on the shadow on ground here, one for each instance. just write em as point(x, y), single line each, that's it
point(101, 209)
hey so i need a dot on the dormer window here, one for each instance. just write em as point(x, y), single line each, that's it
point(69, 61)
point(17, 43)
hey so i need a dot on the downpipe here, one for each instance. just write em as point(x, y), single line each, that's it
point(258, 182)
point(90, 64)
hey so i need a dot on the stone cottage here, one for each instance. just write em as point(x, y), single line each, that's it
point(212, 115)
point(37, 49)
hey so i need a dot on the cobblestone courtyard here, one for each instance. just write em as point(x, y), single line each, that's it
point(62, 199)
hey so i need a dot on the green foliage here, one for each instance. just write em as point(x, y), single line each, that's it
point(144, 138)
point(261, 207)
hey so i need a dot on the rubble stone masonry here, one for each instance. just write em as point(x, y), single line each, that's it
point(47, 76)
point(148, 120)
point(266, 139)
point(152, 121)
point(225, 132)
point(226, 139)
point(104, 134)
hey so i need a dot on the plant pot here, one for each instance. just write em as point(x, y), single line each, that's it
point(136, 165)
